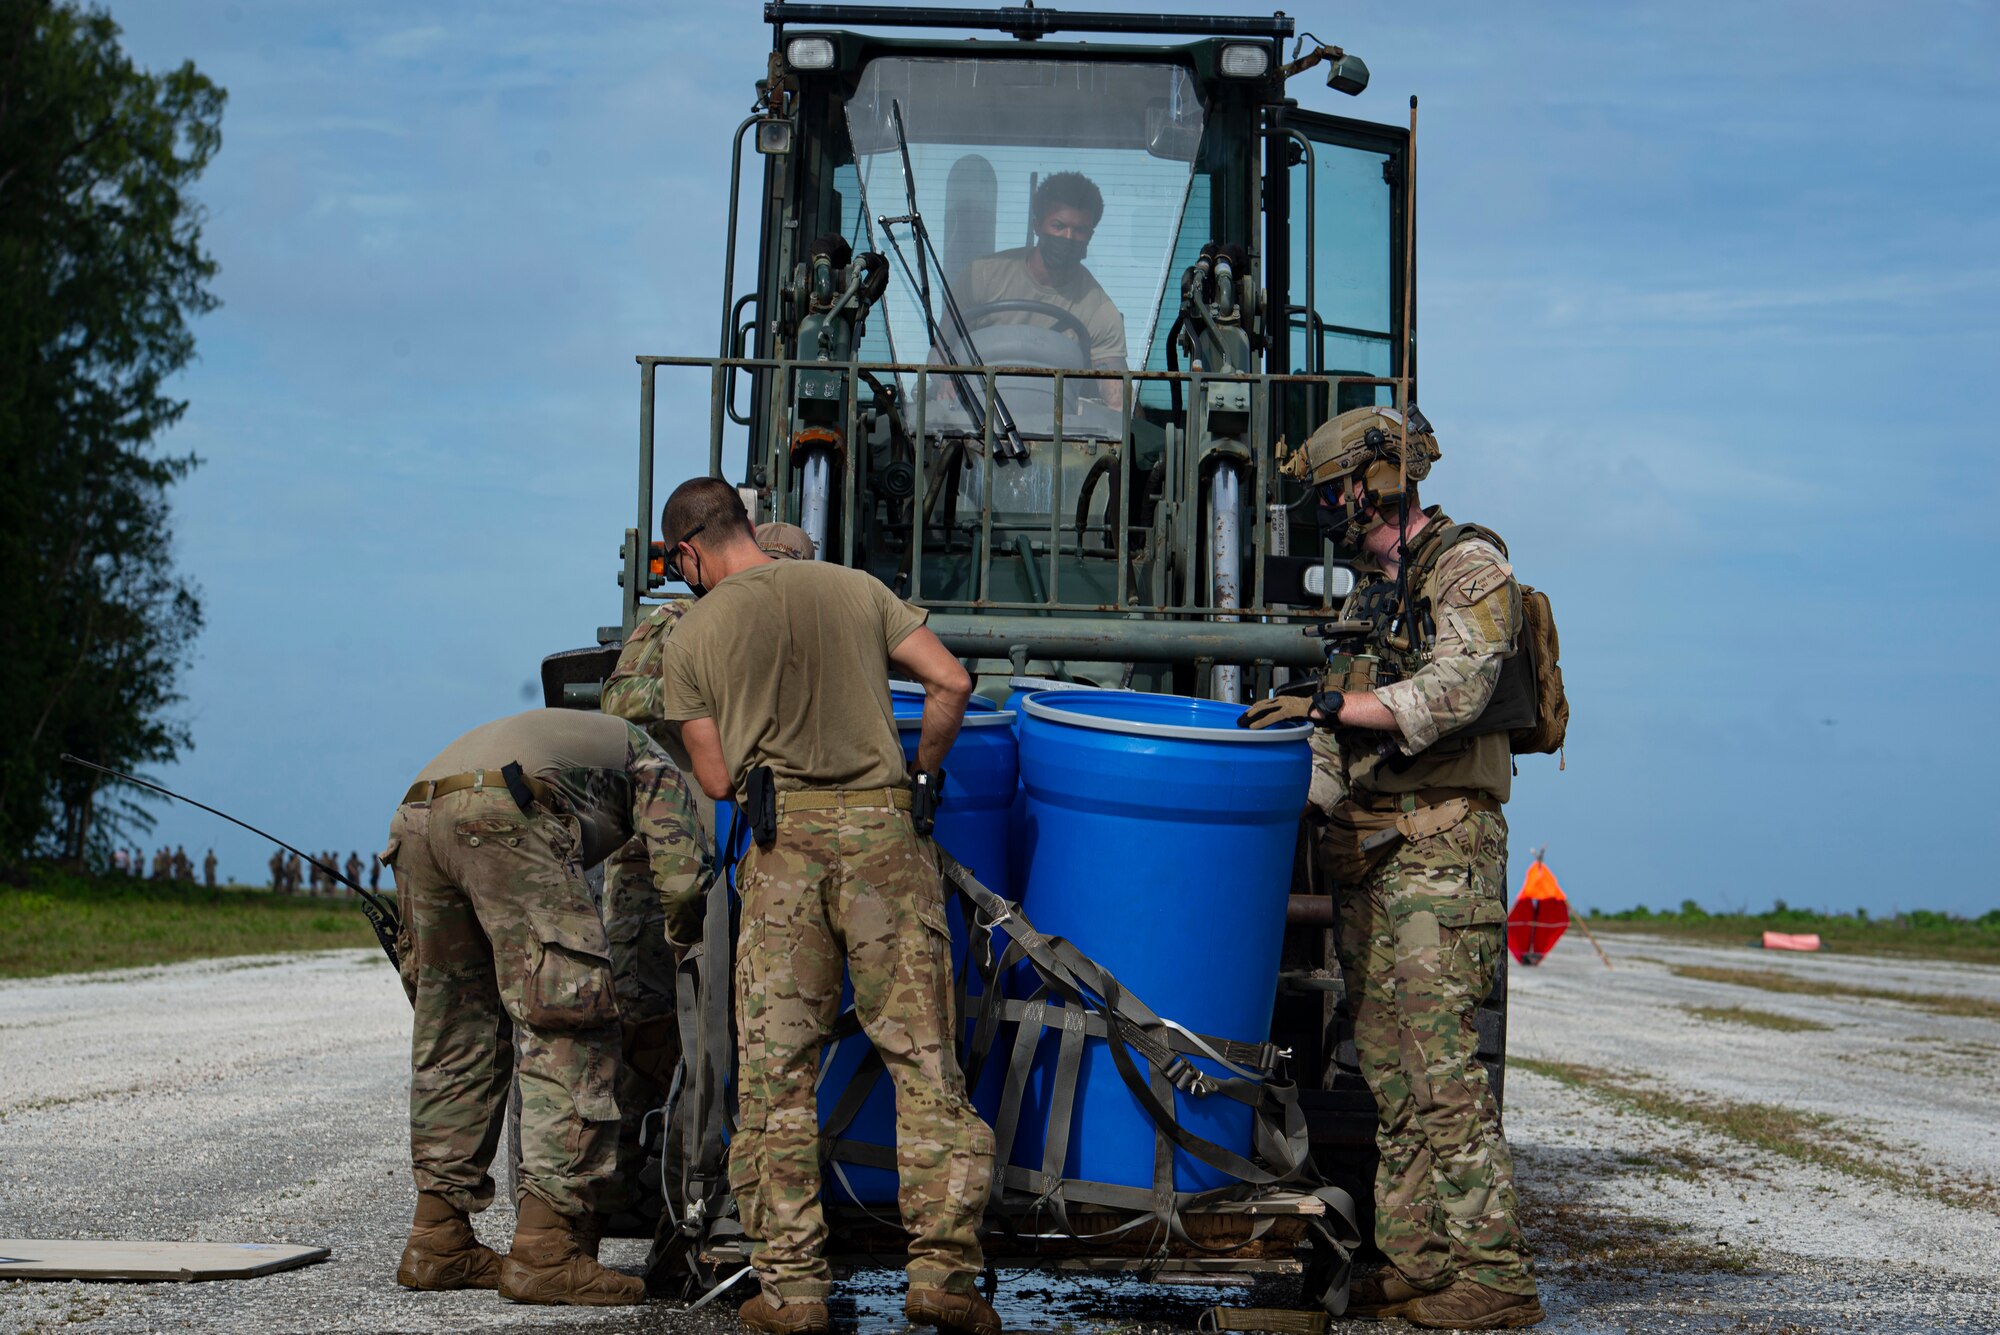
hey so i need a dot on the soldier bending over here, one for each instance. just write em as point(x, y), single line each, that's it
point(488, 850)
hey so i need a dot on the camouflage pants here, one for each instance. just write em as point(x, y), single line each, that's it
point(859, 888)
point(1420, 938)
point(642, 969)
point(499, 927)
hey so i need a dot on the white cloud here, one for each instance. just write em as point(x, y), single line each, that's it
point(408, 43)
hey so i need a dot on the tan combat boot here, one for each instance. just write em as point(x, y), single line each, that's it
point(442, 1252)
point(1381, 1295)
point(588, 1230)
point(799, 1316)
point(960, 1313)
point(1470, 1305)
point(547, 1266)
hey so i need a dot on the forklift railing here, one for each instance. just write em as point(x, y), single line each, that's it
point(1179, 537)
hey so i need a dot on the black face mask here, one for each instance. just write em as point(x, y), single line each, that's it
point(1340, 525)
point(673, 563)
point(1061, 254)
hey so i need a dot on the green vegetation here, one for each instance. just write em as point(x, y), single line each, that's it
point(1809, 1138)
point(1786, 1024)
point(63, 923)
point(1770, 980)
point(1919, 933)
point(102, 273)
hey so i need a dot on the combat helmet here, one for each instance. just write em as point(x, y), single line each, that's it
point(1366, 443)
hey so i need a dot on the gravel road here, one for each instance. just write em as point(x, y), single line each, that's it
point(263, 1100)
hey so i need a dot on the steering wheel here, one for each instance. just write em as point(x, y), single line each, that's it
point(1066, 321)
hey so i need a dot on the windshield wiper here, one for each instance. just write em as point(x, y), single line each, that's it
point(1008, 443)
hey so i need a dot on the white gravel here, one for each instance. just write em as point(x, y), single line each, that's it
point(264, 1100)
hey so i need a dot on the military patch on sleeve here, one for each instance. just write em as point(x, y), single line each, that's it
point(1495, 615)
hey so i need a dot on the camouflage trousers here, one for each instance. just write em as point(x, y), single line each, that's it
point(500, 931)
point(1420, 938)
point(856, 888)
point(642, 970)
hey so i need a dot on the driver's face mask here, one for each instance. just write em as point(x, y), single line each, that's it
point(1062, 254)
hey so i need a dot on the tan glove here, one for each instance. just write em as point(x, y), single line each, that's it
point(1278, 709)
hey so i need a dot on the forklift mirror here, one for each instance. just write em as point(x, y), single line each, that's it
point(1171, 137)
point(774, 136)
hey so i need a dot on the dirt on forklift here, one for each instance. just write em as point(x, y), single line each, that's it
point(1032, 320)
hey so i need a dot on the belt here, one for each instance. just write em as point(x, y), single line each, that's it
point(1429, 797)
point(831, 799)
point(424, 790)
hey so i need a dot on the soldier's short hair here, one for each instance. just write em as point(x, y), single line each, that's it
point(708, 504)
point(1072, 188)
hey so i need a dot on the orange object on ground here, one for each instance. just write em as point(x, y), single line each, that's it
point(1539, 917)
point(1791, 941)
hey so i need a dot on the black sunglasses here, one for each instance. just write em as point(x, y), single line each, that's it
point(672, 560)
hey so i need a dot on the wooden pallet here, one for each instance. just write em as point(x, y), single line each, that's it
point(1221, 1231)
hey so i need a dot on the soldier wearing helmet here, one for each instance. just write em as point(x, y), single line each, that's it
point(1411, 769)
point(642, 962)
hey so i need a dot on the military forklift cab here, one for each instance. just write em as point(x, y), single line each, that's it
point(1075, 472)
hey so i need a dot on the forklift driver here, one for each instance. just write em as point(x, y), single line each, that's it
point(1066, 209)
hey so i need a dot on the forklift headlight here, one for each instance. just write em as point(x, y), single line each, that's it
point(809, 53)
point(774, 136)
point(1244, 61)
point(1348, 75)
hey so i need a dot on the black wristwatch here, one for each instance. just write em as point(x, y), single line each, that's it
point(1327, 705)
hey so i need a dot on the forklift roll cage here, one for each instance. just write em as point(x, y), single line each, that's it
point(912, 483)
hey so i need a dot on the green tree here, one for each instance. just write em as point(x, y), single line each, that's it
point(101, 271)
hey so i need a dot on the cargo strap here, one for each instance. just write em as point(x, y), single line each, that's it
point(1077, 998)
point(828, 799)
point(697, 1214)
point(1277, 1320)
point(427, 790)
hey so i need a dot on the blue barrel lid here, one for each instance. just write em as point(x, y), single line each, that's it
point(907, 697)
point(1050, 684)
point(1173, 716)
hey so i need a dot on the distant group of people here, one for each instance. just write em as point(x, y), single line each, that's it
point(294, 875)
point(166, 864)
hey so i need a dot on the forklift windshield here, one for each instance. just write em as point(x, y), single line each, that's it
point(1052, 192)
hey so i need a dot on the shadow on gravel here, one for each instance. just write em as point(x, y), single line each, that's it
point(1577, 1237)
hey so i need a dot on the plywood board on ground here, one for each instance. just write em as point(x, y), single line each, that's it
point(42, 1258)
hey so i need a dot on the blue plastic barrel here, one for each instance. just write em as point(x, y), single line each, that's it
point(1162, 838)
point(972, 825)
point(1019, 689)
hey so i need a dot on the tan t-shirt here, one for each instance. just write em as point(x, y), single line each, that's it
point(1005, 277)
point(791, 660)
point(589, 758)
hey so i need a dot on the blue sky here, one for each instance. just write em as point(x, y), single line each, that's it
point(1708, 303)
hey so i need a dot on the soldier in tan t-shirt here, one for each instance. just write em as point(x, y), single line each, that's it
point(786, 664)
point(1066, 210)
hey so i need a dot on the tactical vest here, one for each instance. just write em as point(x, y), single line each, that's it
point(1477, 755)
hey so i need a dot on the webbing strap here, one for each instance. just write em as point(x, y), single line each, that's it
point(1080, 982)
point(1079, 999)
point(1277, 1320)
